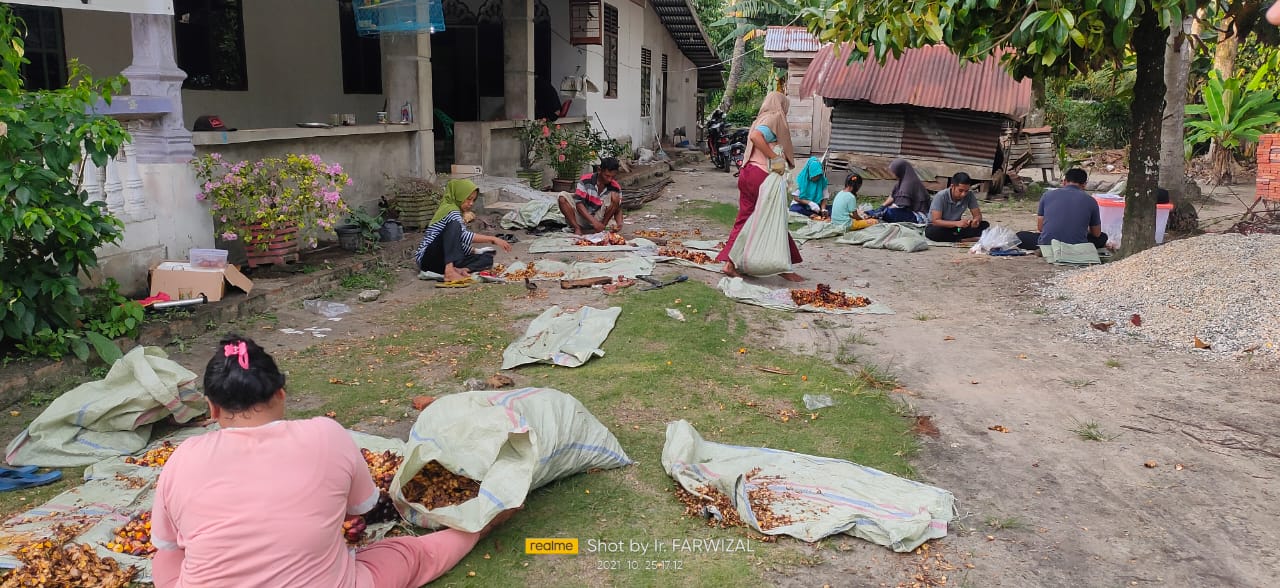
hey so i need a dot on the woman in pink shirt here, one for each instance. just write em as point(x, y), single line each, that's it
point(261, 501)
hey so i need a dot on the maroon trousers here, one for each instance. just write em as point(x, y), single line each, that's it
point(749, 182)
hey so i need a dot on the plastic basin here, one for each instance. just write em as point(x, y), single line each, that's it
point(1111, 210)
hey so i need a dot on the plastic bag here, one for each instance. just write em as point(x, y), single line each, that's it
point(761, 248)
point(325, 308)
point(816, 401)
point(675, 314)
point(994, 238)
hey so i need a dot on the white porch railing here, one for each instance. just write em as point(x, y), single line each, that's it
point(119, 184)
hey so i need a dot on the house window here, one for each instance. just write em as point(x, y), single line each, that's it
point(209, 35)
point(610, 51)
point(44, 48)
point(361, 56)
point(646, 82)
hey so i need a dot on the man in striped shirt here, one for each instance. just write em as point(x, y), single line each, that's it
point(596, 201)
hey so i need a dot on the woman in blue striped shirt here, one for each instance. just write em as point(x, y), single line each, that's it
point(447, 245)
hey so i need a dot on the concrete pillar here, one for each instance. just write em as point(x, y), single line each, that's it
point(406, 78)
point(154, 72)
point(518, 58)
point(426, 118)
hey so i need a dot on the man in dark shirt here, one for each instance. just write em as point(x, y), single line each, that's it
point(1067, 214)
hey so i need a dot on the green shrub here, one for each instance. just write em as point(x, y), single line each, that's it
point(49, 231)
point(1090, 112)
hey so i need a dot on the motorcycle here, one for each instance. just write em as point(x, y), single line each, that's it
point(717, 138)
point(737, 147)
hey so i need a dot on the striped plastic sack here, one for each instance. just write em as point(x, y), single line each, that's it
point(511, 442)
point(808, 497)
point(762, 247)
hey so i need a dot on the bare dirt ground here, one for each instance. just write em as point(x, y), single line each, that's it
point(972, 347)
point(1040, 506)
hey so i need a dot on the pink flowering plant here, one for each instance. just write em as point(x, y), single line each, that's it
point(564, 149)
point(275, 194)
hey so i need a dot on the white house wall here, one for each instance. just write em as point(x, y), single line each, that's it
point(293, 57)
point(640, 27)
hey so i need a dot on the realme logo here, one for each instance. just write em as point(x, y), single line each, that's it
point(551, 546)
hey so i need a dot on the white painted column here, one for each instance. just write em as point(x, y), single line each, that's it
point(155, 72)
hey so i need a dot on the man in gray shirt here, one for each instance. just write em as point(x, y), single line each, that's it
point(1067, 214)
point(946, 213)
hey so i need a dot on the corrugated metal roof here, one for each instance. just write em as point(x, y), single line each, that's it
point(929, 77)
point(685, 28)
point(783, 39)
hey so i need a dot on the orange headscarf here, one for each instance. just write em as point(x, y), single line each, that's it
point(773, 114)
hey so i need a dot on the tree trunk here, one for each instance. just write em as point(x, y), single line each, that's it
point(1148, 43)
point(735, 75)
point(1224, 62)
point(1173, 161)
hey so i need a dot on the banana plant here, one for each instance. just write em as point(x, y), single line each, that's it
point(1235, 112)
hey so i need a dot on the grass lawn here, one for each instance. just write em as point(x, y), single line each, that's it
point(655, 370)
point(720, 213)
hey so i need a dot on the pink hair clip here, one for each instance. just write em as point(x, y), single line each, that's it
point(240, 349)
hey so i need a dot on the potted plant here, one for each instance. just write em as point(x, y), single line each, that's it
point(560, 147)
point(360, 232)
point(272, 204)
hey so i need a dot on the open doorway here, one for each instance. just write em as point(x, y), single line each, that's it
point(466, 71)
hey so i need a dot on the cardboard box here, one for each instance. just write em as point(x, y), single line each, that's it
point(463, 172)
point(181, 281)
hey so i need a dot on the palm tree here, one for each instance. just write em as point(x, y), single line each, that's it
point(749, 19)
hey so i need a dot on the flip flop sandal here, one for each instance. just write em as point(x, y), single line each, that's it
point(463, 283)
point(6, 472)
point(8, 483)
point(508, 237)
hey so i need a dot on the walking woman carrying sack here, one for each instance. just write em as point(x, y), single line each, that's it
point(768, 150)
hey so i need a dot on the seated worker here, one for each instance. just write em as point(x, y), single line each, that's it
point(1067, 214)
point(811, 183)
point(446, 246)
point(261, 501)
point(909, 201)
point(845, 205)
point(596, 200)
point(946, 213)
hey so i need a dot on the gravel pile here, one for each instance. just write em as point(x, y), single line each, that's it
point(1222, 288)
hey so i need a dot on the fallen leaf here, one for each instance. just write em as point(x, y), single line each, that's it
point(408, 384)
point(1022, 356)
point(1200, 344)
point(924, 426)
point(421, 402)
point(948, 338)
point(1135, 320)
point(804, 378)
point(486, 556)
point(742, 350)
point(991, 538)
point(384, 401)
point(499, 381)
point(1104, 327)
point(1151, 463)
point(999, 428)
point(471, 574)
point(14, 413)
point(1177, 467)
point(331, 414)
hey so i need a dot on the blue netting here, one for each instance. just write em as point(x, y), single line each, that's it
point(376, 17)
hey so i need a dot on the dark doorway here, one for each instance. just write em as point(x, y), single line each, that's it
point(455, 85)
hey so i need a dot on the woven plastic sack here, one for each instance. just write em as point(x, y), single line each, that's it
point(112, 416)
point(512, 442)
point(761, 248)
point(815, 497)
